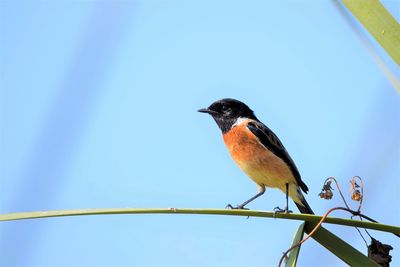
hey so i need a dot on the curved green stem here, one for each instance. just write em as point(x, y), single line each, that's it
point(246, 213)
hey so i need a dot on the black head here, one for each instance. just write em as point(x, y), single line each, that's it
point(226, 112)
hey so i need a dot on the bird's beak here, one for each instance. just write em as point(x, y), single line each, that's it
point(209, 111)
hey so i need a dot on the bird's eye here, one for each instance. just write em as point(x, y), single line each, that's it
point(225, 108)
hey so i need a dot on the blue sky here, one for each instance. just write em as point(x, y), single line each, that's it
point(98, 109)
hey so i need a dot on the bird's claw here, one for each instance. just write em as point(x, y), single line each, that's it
point(279, 210)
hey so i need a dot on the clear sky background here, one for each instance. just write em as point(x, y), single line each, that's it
point(98, 108)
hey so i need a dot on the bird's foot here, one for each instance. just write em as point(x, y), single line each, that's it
point(279, 210)
point(238, 207)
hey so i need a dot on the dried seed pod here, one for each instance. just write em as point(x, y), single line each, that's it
point(326, 195)
point(379, 252)
point(356, 196)
point(326, 192)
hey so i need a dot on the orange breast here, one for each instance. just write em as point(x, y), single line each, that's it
point(260, 164)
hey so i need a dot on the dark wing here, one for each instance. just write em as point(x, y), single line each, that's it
point(272, 142)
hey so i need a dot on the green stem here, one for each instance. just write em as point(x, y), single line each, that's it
point(379, 23)
point(251, 213)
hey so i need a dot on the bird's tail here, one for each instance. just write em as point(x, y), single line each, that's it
point(304, 207)
point(296, 194)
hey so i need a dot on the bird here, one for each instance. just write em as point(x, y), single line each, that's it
point(258, 152)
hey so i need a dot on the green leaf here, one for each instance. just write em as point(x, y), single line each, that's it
point(340, 248)
point(333, 243)
point(379, 23)
point(246, 213)
point(294, 254)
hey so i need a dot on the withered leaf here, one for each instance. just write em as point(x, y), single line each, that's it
point(379, 252)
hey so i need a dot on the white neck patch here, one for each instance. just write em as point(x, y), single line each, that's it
point(239, 121)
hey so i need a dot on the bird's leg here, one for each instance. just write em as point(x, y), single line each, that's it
point(241, 206)
point(286, 209)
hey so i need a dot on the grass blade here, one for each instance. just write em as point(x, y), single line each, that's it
point(379, 23)
point(340, 248)
point(294, 254)
point(246, 213)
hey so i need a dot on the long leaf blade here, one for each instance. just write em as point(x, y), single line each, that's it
point(340, 248)
point(294, 254)
point(253, 213)
point(379, 23)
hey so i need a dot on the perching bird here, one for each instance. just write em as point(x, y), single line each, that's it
point(258, 152)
